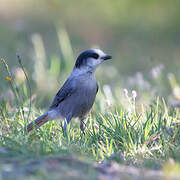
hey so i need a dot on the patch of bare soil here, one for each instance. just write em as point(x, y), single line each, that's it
point(115, 171)
point(68, 167)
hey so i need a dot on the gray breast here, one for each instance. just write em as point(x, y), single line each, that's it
point(81, 101)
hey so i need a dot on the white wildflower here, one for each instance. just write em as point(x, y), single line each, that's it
point(134, 94)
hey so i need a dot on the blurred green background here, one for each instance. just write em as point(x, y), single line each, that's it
point(143, 36)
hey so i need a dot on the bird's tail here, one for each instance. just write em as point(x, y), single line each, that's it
point(37, 122)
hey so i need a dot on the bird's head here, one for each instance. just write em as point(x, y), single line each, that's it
point(91, 59)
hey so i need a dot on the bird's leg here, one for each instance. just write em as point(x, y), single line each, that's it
point(82, 124)
point(65, 127)
point(66, 122)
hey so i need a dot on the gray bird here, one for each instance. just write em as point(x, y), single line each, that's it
point(77, 95)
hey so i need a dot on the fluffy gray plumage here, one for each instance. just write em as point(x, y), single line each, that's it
point(78, 93)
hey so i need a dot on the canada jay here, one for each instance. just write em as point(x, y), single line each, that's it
point(77, 95)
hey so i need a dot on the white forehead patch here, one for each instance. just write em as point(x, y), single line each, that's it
point(99, 52)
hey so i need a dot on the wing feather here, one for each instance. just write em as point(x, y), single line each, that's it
point(66, 91)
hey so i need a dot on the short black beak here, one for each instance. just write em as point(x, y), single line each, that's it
point(106, 57)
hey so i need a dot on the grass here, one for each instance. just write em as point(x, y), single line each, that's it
point(143, 139)
point(140, 136)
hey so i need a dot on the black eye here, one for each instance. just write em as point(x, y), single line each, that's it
point(95, 55)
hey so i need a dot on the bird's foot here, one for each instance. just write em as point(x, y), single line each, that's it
point(64, 130)
point(82, 127)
